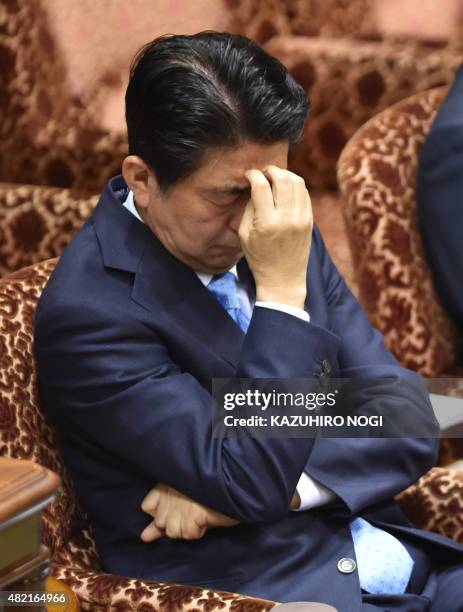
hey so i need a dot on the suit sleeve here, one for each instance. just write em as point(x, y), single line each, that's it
point(440, 212)
point(366, 471)
point(108, 379)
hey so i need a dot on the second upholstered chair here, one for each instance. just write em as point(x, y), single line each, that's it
point(377, 177)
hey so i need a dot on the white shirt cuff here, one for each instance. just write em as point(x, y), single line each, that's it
point(291, 310)
point(312, 493)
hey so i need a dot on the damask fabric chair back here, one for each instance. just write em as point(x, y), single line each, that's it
point(353, 19)
point(37, 223)
point(48, 137)
point(26, 434)
point(24, 431)
point(377, 177)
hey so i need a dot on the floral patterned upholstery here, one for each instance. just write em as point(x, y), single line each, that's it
point(436, 502)
point(349, 82)
point(52, 139)
point(264, 19)
point(377, 177)
point(25, 434)
point(47, 137)
point(333, 49)
point(354, 19)
point(37, 223)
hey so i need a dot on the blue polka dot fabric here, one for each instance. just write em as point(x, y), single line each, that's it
point(384, 564)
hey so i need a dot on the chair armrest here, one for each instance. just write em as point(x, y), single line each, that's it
point(435, 502)
point(98, 591)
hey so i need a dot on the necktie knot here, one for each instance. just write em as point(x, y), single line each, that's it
point(224, 287)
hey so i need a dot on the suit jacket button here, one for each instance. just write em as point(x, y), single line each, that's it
point(346, 565)
point(326, 366)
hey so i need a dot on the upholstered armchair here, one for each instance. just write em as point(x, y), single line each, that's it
point(377, 177)
point(48, 137)
point(435, 502)
point(51, 138)
point(350, 71)
point(25, 434)
point(348, 82)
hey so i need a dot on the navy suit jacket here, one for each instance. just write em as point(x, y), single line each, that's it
point(440, 200)
point(127, 342)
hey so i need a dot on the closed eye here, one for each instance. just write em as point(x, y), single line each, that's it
point(230, 201)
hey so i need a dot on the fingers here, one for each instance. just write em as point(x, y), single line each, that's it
point(217, 519)
point(193, 530)
point(152, 533)
point(275, 189)
point(261, 193)
point(174, 515)
point(283, 190)
point(175, 528)
point(151, 500)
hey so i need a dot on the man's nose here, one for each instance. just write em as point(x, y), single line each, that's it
point(236, 216)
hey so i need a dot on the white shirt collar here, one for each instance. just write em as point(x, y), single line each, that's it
point(203, 276)
point(206, 278)
point(130, 205)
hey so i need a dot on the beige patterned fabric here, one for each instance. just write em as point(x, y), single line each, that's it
point(436, 502)
point(47, 137)
point(26, 434)
point(37, 223)
point(264, 19)
point(349, 82)
point(328, 47)
point(377, 177)
point(355, 19)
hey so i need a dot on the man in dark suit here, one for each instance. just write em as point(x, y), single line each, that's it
point(201, 263)
point(440, 200)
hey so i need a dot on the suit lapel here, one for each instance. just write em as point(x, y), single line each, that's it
point(163, 284)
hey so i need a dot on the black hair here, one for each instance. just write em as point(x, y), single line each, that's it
point(187, 94)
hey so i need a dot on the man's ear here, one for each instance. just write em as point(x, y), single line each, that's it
point(140, 179)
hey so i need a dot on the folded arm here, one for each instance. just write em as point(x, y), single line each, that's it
point(365, 471)
point(110, 381)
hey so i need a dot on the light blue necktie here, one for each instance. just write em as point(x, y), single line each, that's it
point(383, 563)
point(224, 287)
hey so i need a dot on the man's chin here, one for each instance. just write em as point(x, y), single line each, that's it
point(222, 262)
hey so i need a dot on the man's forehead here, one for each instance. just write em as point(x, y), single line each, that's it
point(222, 172)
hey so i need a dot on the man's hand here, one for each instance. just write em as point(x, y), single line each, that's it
point(276, 235)
point(178, 516)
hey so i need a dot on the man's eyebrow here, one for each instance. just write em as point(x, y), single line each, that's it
point(228, 189)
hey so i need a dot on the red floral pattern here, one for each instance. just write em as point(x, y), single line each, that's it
point(377, 176)
point(435, 502)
